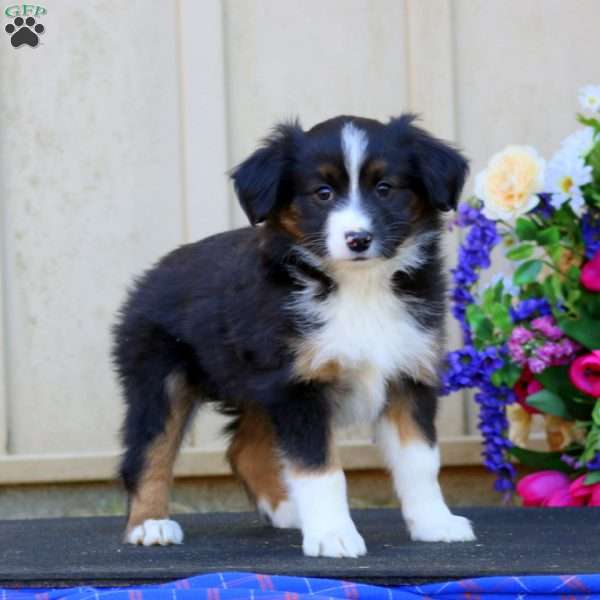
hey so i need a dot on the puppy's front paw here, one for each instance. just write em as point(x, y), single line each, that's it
point(285, 516)
point(155, 532)
point(449, 528)
point(343, 541)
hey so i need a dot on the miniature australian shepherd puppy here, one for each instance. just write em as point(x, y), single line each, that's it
point(328, 312)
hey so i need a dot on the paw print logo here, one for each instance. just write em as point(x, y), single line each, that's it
point(24, 31)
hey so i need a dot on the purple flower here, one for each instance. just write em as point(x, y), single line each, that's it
point(549, 352)
point(472, 368)
point(594, 464)
point(544, 207)
point(571, 461)
point(473, 255)
point(527, 308)
point(521, 335)
point(537, 364)
point(590, 232)
point(568, 348)
point(516, 352)
point(547, 326)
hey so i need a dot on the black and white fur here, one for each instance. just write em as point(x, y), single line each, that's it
point(328, 312)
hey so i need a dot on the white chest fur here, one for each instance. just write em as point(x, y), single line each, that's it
point(368, 332)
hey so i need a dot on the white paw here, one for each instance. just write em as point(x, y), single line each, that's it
point(341, 542)
point(450, 528)
point(285, 516)
point(155, 532)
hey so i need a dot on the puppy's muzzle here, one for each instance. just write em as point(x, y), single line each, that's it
point(358, 241)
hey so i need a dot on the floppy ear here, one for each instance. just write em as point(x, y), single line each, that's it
point(262, 179)
point(442, 168)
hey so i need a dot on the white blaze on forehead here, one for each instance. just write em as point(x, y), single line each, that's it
point(351, 216)
point(354, 147)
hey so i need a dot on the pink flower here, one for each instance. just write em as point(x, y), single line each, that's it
point(525, 386)
point(579, 490)
point(585, 373)
point(533, 387)
point(520, 335)
point(568, 347)
point(590, 274)
point(537, 364)
point(547, 326)
point(548, 352)
point(595, 495)
point(537, 488)
point(516, 352)
point(563, 497)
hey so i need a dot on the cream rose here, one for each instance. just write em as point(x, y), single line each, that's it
point(509, 185)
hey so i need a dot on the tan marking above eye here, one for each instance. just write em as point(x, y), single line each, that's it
point(374, 170)
point(329, 172)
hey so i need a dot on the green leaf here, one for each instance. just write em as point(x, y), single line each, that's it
point(552, 289)
point(513, 372)
point(584, 330)
point(574, 273)
point(549, 402)
point(596, 413)
point(591, 478)
point(520, 252)
point(484, 330)
point(555, 252)
point(475, 314)
point(526, 229)
point(591, 304)
point(589, 122)
point(498, 290)
point(548, 236)
point(573, 296)
point(593, 159)
point(507, 375)
point(592, 445)
point(501, 318)
point(556, 380)
point(564, 217)
point(540, 460)
point(534, 290)
point(594, 196)
point(527, 272)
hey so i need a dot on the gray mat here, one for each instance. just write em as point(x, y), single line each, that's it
point(66, 552)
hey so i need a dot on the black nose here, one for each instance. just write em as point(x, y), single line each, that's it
point(358, 241)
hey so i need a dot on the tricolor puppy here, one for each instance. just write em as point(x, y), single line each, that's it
point(328, 312)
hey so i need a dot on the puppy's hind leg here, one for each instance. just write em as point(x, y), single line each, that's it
point(255, 459)
point(154, 428)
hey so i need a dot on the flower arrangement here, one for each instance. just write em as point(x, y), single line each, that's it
point(531, 341)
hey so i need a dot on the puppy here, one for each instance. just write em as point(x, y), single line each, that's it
point(328, 312)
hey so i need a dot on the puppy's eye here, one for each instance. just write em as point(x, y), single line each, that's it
point(324, 193)
point(383, 190)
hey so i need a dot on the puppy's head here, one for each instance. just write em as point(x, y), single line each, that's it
point(350, 189)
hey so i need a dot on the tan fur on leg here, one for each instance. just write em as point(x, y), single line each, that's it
point(151, 498)
point(414, 461)
point(254, 458)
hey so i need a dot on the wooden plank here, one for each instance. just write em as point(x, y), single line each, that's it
point(4, 344)
point(432, 96)
point(431, 64)
point(203, 118)
point(194, 462)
